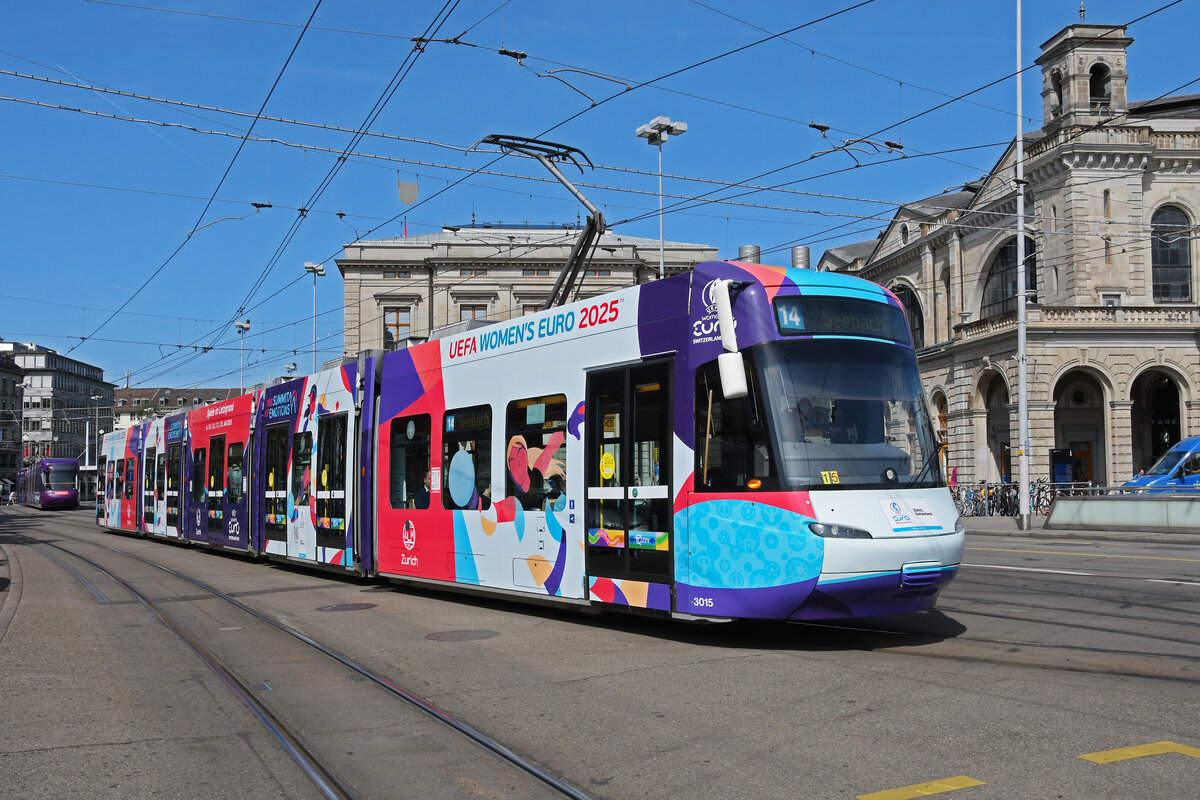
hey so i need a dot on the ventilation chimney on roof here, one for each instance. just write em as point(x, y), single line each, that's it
point(749, 254)
point(800, 257)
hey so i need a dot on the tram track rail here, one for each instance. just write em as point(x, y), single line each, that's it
point(325, 778)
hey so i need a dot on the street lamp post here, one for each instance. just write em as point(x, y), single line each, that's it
point(317, 271)
point(96, 414)
point(242, 328)
point(655, 132)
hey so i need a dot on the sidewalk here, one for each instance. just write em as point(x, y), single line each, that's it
point(1007, 526)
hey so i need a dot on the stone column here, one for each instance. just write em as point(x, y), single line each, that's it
point(1120, 441)
point(1041, 438)
point(1189, 422)
point(924, 279)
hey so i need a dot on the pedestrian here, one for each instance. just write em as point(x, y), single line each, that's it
point(12, 498)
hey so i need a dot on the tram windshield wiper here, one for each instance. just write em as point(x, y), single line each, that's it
point(925, 468)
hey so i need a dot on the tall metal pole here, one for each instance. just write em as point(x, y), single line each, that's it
point(662, 270)
point(1022, 372)
point(242, 327)
point(314, 353)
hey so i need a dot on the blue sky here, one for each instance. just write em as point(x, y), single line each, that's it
point(94, 205)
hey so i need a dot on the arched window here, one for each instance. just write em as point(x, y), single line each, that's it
point(1057, 85)
point(912, 310)
point(1170, 259)
point(1000, 291)
point(1100, 86)
point(904, 234)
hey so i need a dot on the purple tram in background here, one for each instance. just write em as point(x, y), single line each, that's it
point(51, 483)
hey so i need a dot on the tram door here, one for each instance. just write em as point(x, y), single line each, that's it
point(149, 500)
point(174, 476)
point(628, 500)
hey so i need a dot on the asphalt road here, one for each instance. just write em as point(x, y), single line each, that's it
point(1043, 650)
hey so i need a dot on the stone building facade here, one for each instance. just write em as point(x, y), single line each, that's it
point(11, 378)
point(398, 290)
point(1113, 304)
point(63, 403)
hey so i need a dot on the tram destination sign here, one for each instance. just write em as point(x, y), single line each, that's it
point(840, 316)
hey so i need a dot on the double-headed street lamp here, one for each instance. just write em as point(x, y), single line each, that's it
point(317, 271)
point(655, 132)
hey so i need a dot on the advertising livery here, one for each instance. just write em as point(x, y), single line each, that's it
point(741, 441)
point(305, 445)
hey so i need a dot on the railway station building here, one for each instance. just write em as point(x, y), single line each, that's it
point(398, 290)
point(1113, 298)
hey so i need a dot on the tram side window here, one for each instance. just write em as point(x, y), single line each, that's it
point(102, 472)
point(732, 443)
point(114, 478)
point(331, 468)
point(130, 477)
point(534, 451)
point(233, 474)
point(216, 469)
point(160, 475)
point(148, 477)
point(408, 470)
point(173, 454)
point(301, 467)
point(199, 474)
point(467, 458)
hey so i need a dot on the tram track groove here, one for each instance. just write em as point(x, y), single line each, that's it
point(323, 777)
point(309, 763)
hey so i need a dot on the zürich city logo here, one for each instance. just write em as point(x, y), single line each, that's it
point(409, 535)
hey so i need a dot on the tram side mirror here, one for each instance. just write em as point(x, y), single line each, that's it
point(729, 363)
point(733, 375)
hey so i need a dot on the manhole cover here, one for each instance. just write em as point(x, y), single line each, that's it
point(461, 636)
point(347, 607)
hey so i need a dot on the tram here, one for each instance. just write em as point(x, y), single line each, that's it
point(50, 483)
point(741, 441)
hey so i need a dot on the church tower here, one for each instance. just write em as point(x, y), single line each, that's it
point(1083, 75)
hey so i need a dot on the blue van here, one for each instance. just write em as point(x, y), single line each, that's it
point(1177, 470)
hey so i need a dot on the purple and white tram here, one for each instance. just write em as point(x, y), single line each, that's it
point(51, 483)
point(741, 441)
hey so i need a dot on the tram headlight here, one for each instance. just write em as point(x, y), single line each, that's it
point(838, 531)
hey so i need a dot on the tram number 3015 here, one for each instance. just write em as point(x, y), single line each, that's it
point(702, 602)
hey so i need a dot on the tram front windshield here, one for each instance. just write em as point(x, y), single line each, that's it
point(847, 414)
point(59, 478)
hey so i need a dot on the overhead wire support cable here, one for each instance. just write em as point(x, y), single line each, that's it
point(212, 197)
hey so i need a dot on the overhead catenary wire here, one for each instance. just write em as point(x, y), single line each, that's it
point(860, 216)
point(216, 189)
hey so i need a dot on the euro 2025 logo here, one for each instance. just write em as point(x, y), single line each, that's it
point(898, 514)
point(708, 296)
point(409, 535)
point(707, 327)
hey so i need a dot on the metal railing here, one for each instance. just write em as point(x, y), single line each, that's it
point(1003, 499)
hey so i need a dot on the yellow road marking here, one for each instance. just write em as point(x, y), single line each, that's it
point(1079, 553)
point(1154, 749)
point(923, 789)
